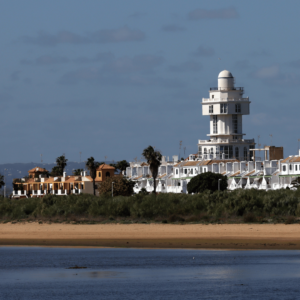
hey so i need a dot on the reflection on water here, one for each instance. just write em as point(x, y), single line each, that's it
point(41, 273)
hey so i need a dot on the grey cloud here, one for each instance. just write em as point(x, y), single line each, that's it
point(258, 53)
point(104, 56)
point(188, 66)
point(15, 75)
point(97, 76)
point(135, 64)
point(224, 13)
point(295, 63)
point(46, 60)
point(123, 34)
point(242, 64)
point(172, 28)
point(204, 51)
point(137, 15)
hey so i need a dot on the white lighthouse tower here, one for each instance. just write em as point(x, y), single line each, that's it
point(226, 107)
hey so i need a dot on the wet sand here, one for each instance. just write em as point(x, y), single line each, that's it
point(196, 236)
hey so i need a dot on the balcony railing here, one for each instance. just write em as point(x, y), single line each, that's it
point(226, 89)
point(251, 141)
point(224, 99)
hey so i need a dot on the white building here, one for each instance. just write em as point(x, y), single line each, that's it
point(225, 152)
point(226, 107)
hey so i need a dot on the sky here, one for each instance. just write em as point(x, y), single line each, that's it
point(109, 78)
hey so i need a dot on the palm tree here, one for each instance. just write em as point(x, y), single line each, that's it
point(92, 165)
point(1, 181)
point(154, 160)
point(61, 162)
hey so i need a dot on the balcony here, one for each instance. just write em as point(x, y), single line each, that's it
point(224, 99)
point(225, 141)
point(226, 89)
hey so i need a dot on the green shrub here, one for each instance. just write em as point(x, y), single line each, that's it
point(207, 181)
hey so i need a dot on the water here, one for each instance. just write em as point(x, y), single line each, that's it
point(41, 273)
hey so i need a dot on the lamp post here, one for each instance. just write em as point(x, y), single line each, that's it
point(112, 189)
point(219, 182)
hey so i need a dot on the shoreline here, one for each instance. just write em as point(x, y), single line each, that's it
point(154, 236)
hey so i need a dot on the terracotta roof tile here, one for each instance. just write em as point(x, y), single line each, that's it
point(191, 163)
point(37, 169)
point(105, 167)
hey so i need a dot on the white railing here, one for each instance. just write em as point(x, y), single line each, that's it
point(224, 99)
point(224, 141)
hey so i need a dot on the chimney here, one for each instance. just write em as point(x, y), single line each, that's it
point(64, 174)
point(84, 173)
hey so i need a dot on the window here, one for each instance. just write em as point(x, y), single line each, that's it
point(205, 151)
point(217, 150)
point(283, 168)
point(178, 183)
point(211, 150)
point(191, 171)
point(238, 108)
point(213, 96)
point(185, 171)
point(200, 150)
point(227, 150)
point(224, 109)
point(215, 124)
point(99, 174)
point(176, 171)
point(235, 137)
point(296, 169)
point(291, 167)
point(235, 123)
point(245, 153)
point(107, 174)
point(211, 109)
point(237, 154)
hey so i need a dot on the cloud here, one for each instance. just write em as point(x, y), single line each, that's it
point(104, 56)
point(98, 76)
point(123, 34)
point(172, 28)
point(242, 64)
point(15, 75)
point(188, 66)
point(204, 51)
point(260, 53)
point(136, 64)
point(137, 15)
point(46, 60)
point(267, 72)
point(138, 71)
point(54, 60)
point(295, 63)
point(224, 13)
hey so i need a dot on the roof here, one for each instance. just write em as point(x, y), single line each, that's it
point(143, 164)
point(225, 73)
point(291, 159)
point(105, 167)
point(37, 169)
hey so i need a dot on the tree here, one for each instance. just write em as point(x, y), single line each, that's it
point(121, 165)
point(296, 183)
point(61, 163)
point(77, 172)
point(122, 186)
point(56, 171)
point(92, 166)
point(154, 160)
point(2, 183)
point(207, 181)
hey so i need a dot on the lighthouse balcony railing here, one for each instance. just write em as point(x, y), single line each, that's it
point(224, 99)
point(226, 89)
point(213, 141)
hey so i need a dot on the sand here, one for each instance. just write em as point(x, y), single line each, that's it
point(196, 236)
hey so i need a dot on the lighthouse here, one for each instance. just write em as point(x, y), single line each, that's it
point(225, 108)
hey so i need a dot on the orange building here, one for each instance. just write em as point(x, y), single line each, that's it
point(38, 184)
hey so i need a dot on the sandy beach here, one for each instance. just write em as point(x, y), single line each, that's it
point(197, 236)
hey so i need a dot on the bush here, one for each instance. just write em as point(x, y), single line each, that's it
point(121, 187)
point(207, 181)
point(249, 217)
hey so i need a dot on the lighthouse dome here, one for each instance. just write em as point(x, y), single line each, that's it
point(225, 80)
point(226, 74)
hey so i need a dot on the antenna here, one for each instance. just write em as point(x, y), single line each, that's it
point(80, 156)
point(41, 158)
point(259, 145)
point(180, 143)
point(184, 150)
point(271, 135)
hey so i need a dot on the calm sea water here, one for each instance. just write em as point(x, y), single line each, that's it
point(41, 273)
